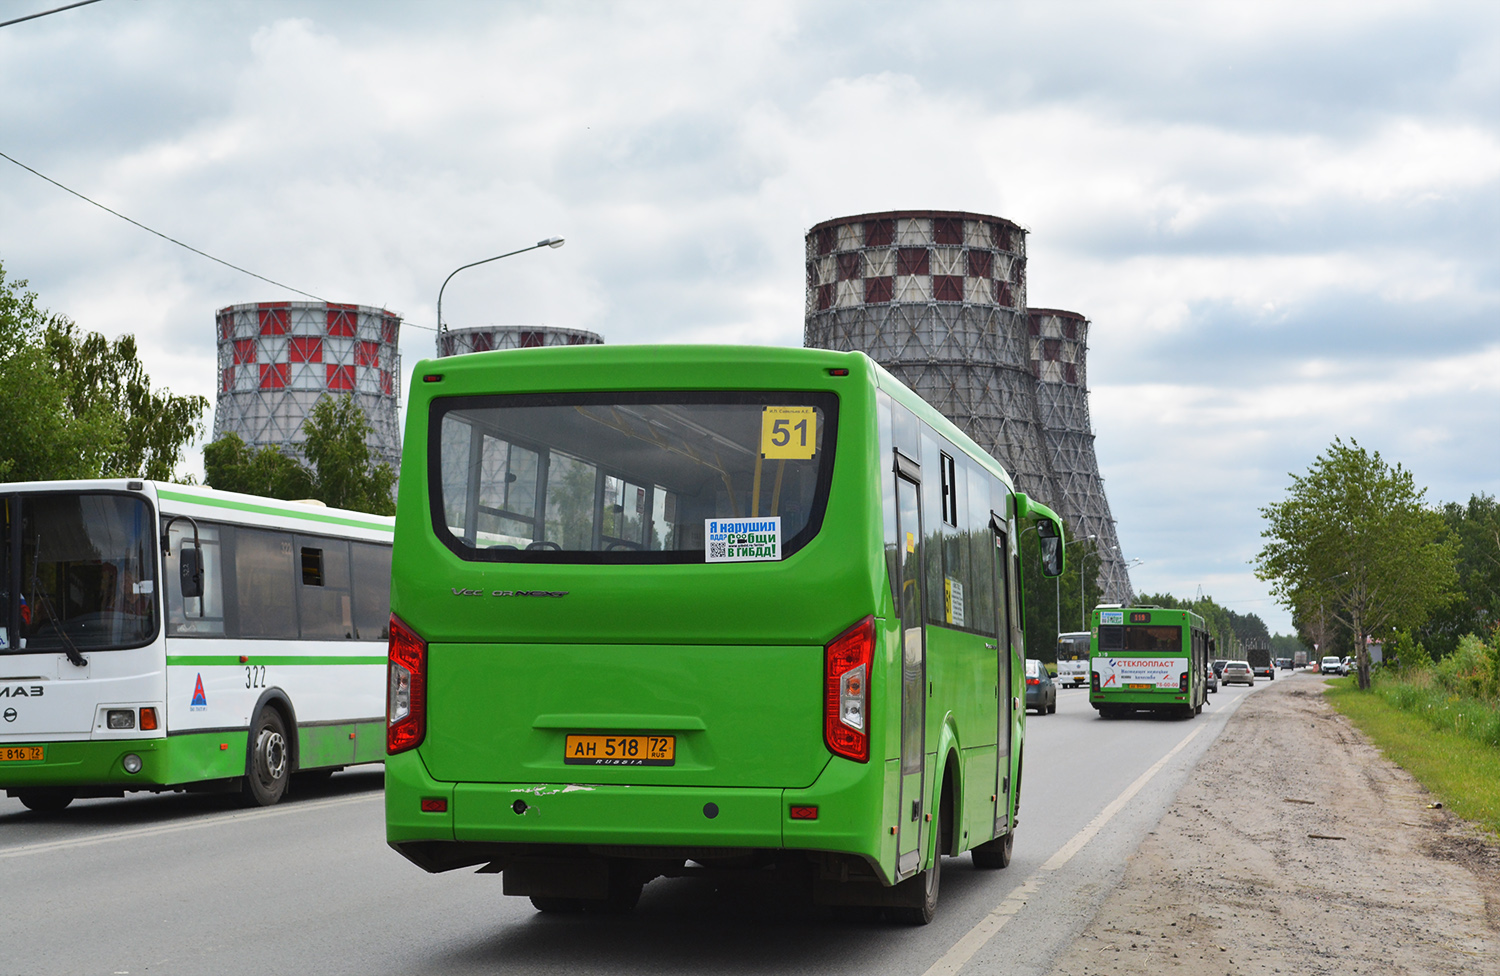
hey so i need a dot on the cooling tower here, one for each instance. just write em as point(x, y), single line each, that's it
point(939, 299)
point(1059, 360)
point(456, 342)
point(276, 359)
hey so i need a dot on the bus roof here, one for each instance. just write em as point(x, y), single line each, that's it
point(232, 505)
point(670, 367)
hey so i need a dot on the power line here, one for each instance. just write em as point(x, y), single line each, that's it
point(157, 232)
point(54, 10)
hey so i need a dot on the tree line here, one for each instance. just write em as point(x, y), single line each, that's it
point(74, 404)
point(1357, 554)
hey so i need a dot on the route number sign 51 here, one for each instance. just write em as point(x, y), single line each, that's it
point(789, 432)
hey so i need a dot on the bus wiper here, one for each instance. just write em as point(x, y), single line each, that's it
point(44, 602)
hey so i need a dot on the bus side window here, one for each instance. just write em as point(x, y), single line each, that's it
point(265, 573)
point(327, 611)
point(979, 591)
point(371, 566)
point(932, 507)
point(883, 408)
point(183, 619)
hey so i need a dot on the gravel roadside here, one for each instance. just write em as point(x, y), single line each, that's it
point(1297, 848)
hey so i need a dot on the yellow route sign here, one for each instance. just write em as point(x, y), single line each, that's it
point(789, 432)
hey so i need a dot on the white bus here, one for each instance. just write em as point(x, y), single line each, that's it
point(1073, 659)
point(168, 637)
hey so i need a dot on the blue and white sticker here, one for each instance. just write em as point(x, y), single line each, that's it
point(1111, 616)
point(742, 540)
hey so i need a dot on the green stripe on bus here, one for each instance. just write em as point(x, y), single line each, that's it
point(310, 515)
point(211, 660)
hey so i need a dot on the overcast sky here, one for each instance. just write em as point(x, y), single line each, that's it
point(1283, 219)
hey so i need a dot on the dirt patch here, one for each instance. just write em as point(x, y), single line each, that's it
point(1298, 849)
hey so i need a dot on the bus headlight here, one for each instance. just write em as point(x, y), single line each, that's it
point(132, 763)
point(121, 718)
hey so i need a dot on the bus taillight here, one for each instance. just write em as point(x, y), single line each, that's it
point(1182, 682)
point(406, 694)
point(846, 684)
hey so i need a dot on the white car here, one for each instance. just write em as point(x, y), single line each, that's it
point(1331, 665)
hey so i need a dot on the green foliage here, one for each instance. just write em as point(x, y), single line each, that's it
point(230, 465)
point(1287, 645)
point(1051, 603)
point(75, 405)
point(1475, 608)
point(1353, 543)
point(341, 475)
point(344, 474)
point(1229, 630)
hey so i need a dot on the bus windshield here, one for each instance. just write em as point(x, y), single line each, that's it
point(88, 572)
point(1072, 647)
point(625, 477)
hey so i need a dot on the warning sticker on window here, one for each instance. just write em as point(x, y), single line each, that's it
point(742, 540)
point(1111, 616)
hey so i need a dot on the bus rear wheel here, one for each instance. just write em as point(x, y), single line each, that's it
point(922, 891)
point(269, 765)
point(44, 801)
point(994, 854)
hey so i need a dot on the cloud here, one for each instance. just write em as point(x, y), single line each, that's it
point(1279, 216)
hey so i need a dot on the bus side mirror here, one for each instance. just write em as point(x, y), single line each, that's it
point(1051, 549)
point(190, 565)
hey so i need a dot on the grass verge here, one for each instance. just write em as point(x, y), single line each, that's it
point(1461, 772)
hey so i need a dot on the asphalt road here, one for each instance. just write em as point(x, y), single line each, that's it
point(190, 884)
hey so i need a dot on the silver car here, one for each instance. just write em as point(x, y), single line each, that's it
point(1237, 672)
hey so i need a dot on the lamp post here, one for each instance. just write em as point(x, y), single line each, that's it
point(1057, 586)
point(548, 242)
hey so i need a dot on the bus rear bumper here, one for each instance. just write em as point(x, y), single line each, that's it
point(440, 826)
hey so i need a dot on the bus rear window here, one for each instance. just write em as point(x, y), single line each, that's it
point(625, 477)
point(1140, 637)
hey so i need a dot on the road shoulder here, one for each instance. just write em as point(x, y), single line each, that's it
point(1297, 848)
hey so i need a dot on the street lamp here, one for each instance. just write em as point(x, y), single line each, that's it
point(549, 242)
point(1057, 587)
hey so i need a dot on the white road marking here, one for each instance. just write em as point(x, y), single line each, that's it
point(972, 941)
point(211, 821)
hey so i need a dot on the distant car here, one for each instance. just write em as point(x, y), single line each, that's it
point(1210, 680)
point(1041, 690)
point(1238, 672)
point(1284, 663)
point(1350, 665)
point(1219, 667)
point(1331, 665)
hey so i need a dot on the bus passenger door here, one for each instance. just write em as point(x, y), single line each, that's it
point(1004, 690)
point(909, 833)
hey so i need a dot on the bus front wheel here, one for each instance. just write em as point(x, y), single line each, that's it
point(270, 763)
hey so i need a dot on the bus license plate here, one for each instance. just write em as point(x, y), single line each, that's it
point(620, 750)
point(21, 753)
point(1137, 687)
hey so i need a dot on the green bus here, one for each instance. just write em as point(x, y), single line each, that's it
point(663, 610)
point(1148, 659)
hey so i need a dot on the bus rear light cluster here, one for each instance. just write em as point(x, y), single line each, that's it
point(406, 692)
point(846, 688)
point(1093, 680)
point(1182, 682)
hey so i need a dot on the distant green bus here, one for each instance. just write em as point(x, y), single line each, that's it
point(1148, 659)
point(733, 608)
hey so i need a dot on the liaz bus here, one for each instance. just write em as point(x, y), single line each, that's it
point(1073, 659)
point(734, 608)
point(165, 637)
point(1148, 659)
